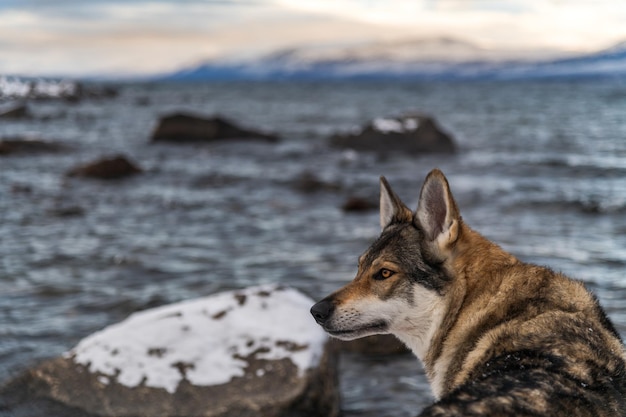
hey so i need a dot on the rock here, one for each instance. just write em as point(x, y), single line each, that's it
point(55, 89)
point(359, 204)
point(308, 182)
point(143, 101)
point(19, 111)
point(21, 189)
point(67, 211)
point(215, 180)
point(17, 145)
point(253, 352)
point(413, 134)
point(113, 168)
point(98, 91)
point(185, 128)
point(52, 89)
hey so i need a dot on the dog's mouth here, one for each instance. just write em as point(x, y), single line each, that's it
point(349, 334)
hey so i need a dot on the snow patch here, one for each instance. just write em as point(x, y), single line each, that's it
point(411, 124)
point(205, 340)
point(13, 87)
point(385, 125)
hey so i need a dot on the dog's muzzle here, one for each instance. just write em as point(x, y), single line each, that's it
point(322, 310)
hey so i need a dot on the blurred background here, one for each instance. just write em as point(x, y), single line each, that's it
point(533, 94)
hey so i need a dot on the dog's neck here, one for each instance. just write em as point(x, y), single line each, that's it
point(418, 328)
point(472, 260)
point(477, 265)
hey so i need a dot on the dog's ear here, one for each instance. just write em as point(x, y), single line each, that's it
point(392, 209)
point(437, 214)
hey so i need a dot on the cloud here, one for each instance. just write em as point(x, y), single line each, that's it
point(77, 36)
point(573, 25)
point(74, 37)
point(154, 36)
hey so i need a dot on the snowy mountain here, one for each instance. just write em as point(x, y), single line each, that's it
point(437, 59)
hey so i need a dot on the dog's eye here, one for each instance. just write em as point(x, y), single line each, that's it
point(384, 273)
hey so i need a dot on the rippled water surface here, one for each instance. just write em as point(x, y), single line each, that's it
point(541, 170)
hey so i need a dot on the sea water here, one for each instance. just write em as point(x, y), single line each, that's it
point(541, 170)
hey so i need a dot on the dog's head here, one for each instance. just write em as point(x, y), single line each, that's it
point(403, 276)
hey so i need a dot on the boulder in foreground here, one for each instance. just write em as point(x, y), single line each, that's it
point(254, 352)
point(412, 134)
point(188, 128)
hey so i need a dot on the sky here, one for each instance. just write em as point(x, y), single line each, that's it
point(105, 37)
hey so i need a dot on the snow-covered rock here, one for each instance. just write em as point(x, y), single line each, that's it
point(251, 352)
point(412, 133)
point(18, 88)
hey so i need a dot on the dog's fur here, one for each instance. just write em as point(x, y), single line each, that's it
point(497, 336)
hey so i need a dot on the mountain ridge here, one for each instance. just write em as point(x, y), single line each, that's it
point(438, 58)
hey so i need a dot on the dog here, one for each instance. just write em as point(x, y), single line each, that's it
point(497, 336)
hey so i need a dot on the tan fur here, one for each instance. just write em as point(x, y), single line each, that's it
point(477, 265)
point(487, 278)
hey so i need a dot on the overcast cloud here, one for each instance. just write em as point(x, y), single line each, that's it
point(78, 37)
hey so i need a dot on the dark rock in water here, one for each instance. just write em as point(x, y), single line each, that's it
point(217, 356)
point(142, 101)
point(67, 211)
point(308, 182)
point(19, 111)
point(93, 91)
point(214, 181)
point(21, 189)
point(113, 168)
point(377, 345)
point(72, 91)
point(359, 204)
point(413, 134)
point(11, 146)
point(184, 128)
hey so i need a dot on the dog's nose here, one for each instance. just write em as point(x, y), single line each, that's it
point(321, 311)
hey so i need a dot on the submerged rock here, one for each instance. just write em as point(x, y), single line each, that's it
point(359, 204)
point(413, 134)
point(254, 352)
point(185, 128)
point(308, 182)
point(112, 168)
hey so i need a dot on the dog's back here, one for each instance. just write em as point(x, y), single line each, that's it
point(540, 346)
point(497, 337)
